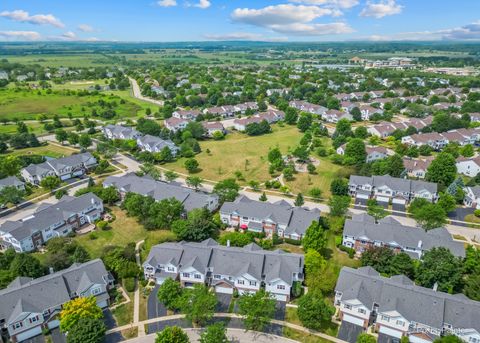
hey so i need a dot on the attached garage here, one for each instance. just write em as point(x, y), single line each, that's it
point(280, 297)
point(78, 173)
point(390, 332)
point(399, 201)
point(223, 289)
point(383, 199)
point(66, 177)
point(29, 334)
point(353, 320)
point(53, 324)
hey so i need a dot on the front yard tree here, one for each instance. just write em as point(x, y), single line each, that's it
point(61, 135)
point(429, 216)
point(73, 138)
point(170, 175)
point(338, 205)
point(169, 293)
point(299, 201)
point(313, 310)
point(85, 141)
point(355, 153)
point(198, 304)
point(215, 333)
point(304, 122)
point(172, 334)
point(315, 237)
point(191, 165)
point(11, 195)
point(198, 226)
point(227, 190)
point(194, 182)
point(339, 186)
point(375, 210)
point(50, 182)
point(263, 197)
point(87, 330)
point(442, 170)
point(258, 309)
point(366, 338)
point(77, 309)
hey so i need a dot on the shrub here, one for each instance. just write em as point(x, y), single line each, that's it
point(477, 213)
point(129, 284)
point(93, 236)
point(102, 225)
point(292, 241)
point(338, 241)
point(349, 251)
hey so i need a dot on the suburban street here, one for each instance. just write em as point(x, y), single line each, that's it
point(138, 94)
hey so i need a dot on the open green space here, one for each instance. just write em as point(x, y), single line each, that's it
point(49, 150)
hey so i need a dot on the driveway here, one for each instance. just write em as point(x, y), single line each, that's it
point(382, 338)
point(223, 302)
point(349, 332)
point(57, 336)
point(109, 320)
point(460, 213)
point(280, 308)
point(36, 339)
point(155, 309)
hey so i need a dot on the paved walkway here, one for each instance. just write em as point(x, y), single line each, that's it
point(138, 94)
point(136, 302)
point(234, 335)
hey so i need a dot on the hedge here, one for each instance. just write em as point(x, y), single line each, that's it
point(292, 241)
point(129, 284)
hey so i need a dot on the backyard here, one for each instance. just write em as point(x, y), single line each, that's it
point(49, 150)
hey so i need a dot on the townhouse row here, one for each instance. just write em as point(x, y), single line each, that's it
point(385, 129)
point(49, 221)
point(270, 116)
point(363, 232)
point(28, 306)
point(438, 141)
point(395, 307)
point(225, 268)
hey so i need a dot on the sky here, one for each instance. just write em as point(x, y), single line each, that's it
point(255, 20)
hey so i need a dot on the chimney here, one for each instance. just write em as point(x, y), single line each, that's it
point(228, 242)
point(93, 201)
point(435, 287)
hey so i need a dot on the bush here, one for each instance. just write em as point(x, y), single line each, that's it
point(297, 289)
point(292, 241)
point(477, 213)
point(102, 225)
point(338, 241)
point(129, 284)
point(349, 251)
point(93, 236)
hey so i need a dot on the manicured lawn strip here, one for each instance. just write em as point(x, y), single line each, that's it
point(50, 150)
point(327, 327)
point(123, 314)
point(302, 336)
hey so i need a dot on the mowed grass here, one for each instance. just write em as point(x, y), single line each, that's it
point(34, 127)
point(26, 104)
point(249, 155)
point(49, 150)
point(123, 230)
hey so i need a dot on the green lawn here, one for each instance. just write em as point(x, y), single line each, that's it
point(327, 327)
point(123, 230)
point(50, 150)
point(123, 314)
point(239, 152)
point(34, 127)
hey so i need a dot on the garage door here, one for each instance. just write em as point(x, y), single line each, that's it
point(224, 290)
point(78, 173)
point(65, 177)
point(103, 304)
point(383, 199)
point(53, 324)
point(399, 201)
point(29, 334)
point(362, 196)
point(390, 332)
point(353, 320)
point(280, 297)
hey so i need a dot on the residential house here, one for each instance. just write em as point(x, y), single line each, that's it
point(433, 139)
point(307, 107)
point(186, 114)
point(28, 306)
point(12, 181)
point(120, 132)
point(468, 166)
point(386, 188)
point(156, 144)
point(160, 190)
point(49, 221)
point(279, 217)
point(417, 167)
point(472, 197)
point(225, 268)
point(363, 232)
point(271, 116)
point(213, 126)
point(367, 111)
point(176, 124)
point(395, 307)
point(65, 168)
point(374, 153)
point(333, 116)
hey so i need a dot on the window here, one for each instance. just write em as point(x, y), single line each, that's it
point(362, 310)
point(473, 340)
point(170, 269)
point(240, 282)
point(186, 275)
point(386, 318)
point(253, 283)
point(17, 325)
point(198, 276)
point(400, 322)
point(33, 319)
point(96, 291)
point(348, 307)
point(280, 286)
point(216, 276)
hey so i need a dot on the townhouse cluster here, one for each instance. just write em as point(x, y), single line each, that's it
point(49, 221)
point(64, 168)
point(438, 141)
point(395, 307)
point(374, 153)
point(148, 143)
point(363, 232)
point(385, 129)
point(224, 268)
point(270, 116)
point(29, 306)
point(270, 218)
point(181, 118)
point(386, 189)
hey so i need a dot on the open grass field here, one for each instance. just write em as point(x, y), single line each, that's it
point(123, 230)
point(61, 60)
point(239, 152)
point(49, 150)
point(34, 127)
point(27, 104)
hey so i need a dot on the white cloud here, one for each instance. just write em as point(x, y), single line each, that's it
point(37, 19)
point(69, 35)
point(167, 3)
point(330, 3)
point(283, 14)
point(244, 36)
point(467, 32)
point(381, 9)
point(85, 28)
point(20, 35)
point(203, 4)
point(301, 29)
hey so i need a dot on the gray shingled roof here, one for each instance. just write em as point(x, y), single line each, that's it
point(394, 183)
point(10, 181)
point(160, 190)
point(48, 291)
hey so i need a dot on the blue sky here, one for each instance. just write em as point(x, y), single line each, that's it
point(267, 20)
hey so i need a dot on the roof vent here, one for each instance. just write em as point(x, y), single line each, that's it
point(435, 287)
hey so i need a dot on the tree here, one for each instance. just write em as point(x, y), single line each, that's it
point(50, 182)
point(258, 309)
point(198, 226)
point(227, 190)
point(10, 166)
point(263, 197)
point(191, 165)
point(161, 214)
point(313, 310)
point(215, 333)
point(170, 175)
point(447, 202)
point(87, 330)
point(198, 304)
point(402, 264)
point(339, 186)
point(378, 258)
point(169, 293)
point(316, 193)
point(311, 168)
point(61, 135)
point(366, 338)
point(356, 114)
point(355, 153)
point(11, 195)
point(73, 138)
point(291, 116)
point(428, 215)
point(449, 339)
point(79, 308)
point(172, 334)
point(304, 122)
point(315, 237)
point(375, 210)
point(60, 193)
point(84, 141)
point(339, 205)
point(442, 170)
point(299, 201)
point(472, 286)
point(194, 182)
point(26, 265)
point(441, 267)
